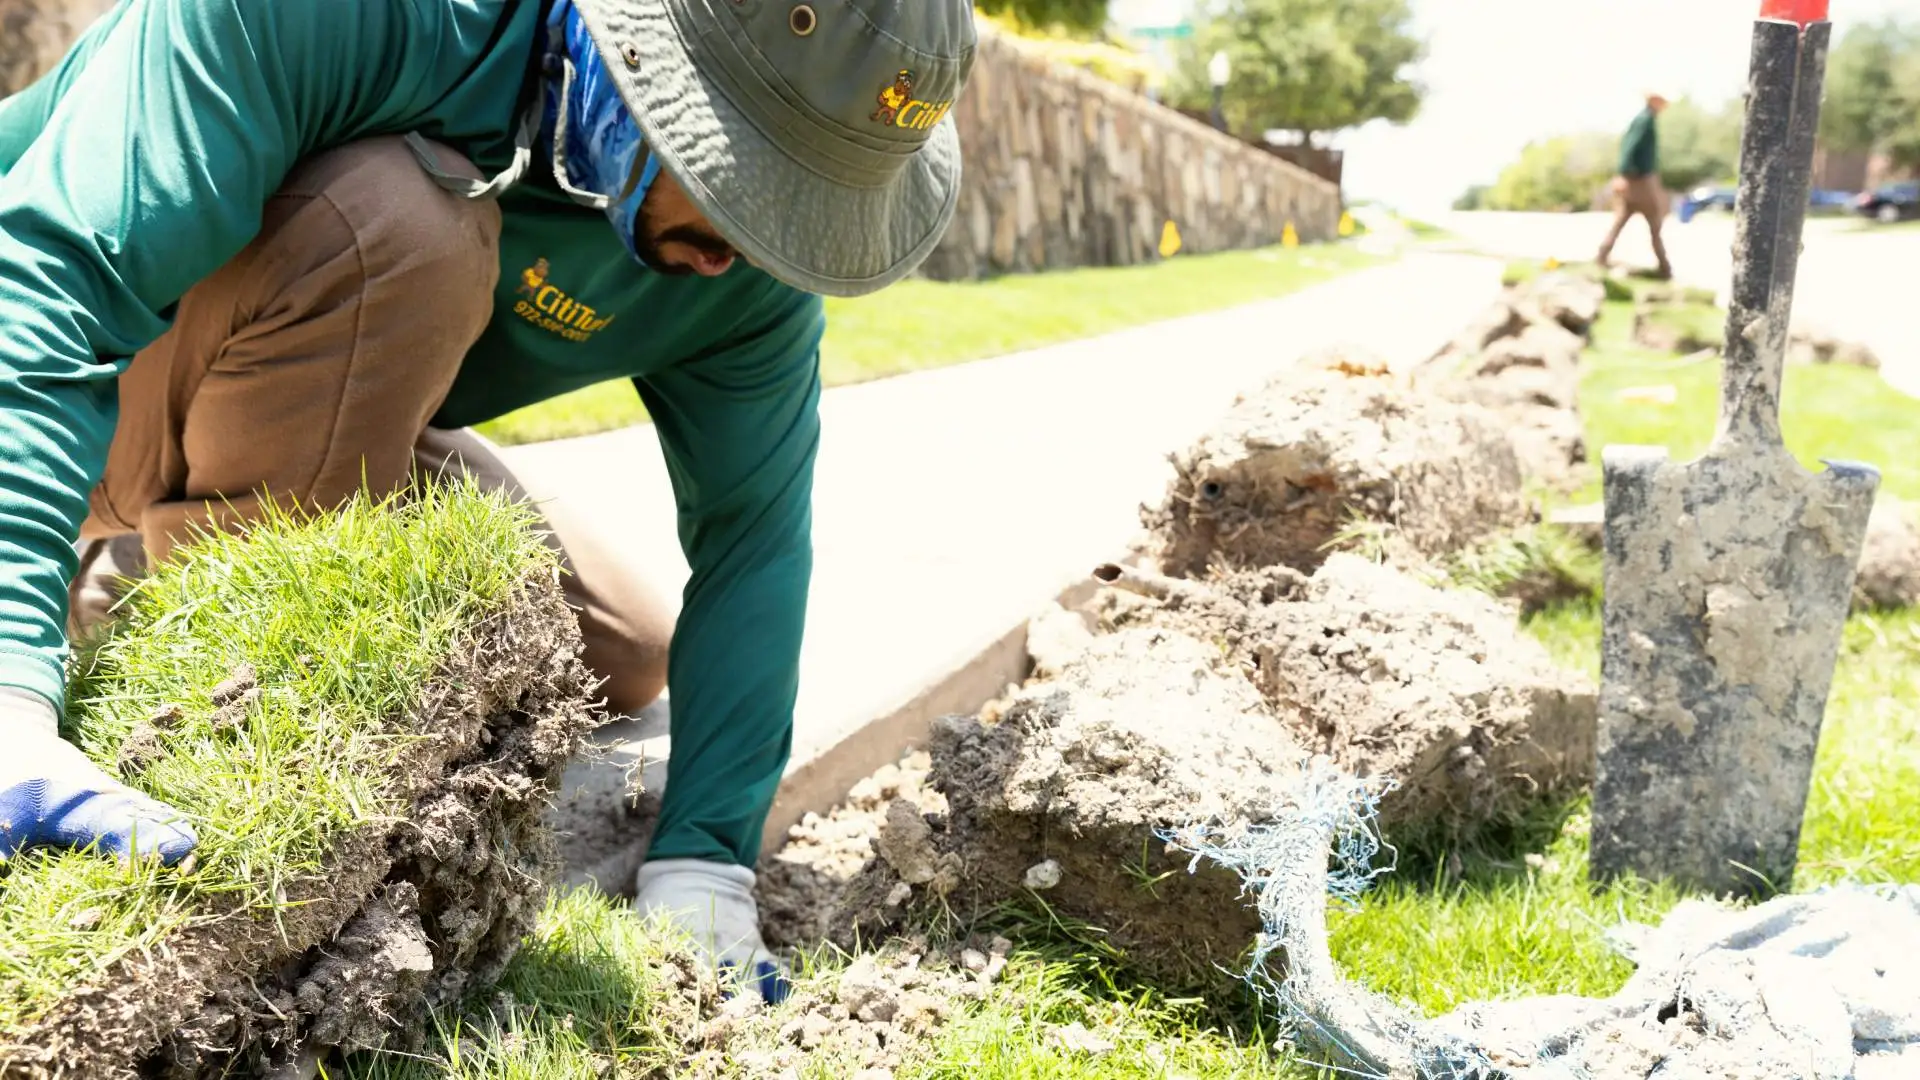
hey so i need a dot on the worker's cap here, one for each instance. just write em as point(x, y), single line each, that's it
point(814, 134)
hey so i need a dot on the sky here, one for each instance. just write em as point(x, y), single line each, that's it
point(1503, 72)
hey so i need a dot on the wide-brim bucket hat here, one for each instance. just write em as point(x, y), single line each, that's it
point(815, 135)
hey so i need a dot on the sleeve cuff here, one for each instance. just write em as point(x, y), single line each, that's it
point(32, 674)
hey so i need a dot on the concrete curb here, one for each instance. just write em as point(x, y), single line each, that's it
point(597, 793)
point(968, 684)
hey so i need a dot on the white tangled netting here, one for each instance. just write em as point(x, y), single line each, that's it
point(1819, 986)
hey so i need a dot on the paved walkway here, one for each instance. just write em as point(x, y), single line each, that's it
point(952, 504)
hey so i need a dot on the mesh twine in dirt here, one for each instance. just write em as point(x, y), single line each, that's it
point(413, 912)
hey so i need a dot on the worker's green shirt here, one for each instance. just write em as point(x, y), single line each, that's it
point(1640, 147)
point(144, 162)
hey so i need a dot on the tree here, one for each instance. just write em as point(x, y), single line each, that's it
point(1562, 173)
point(1080, 15)
point(1474, 198)
point(1698, 145)
point(1312, 66)
point(1863, 103)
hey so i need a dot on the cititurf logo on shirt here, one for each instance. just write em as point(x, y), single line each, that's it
point(548, 306)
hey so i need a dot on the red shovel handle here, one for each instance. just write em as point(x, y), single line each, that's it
point(1801, 12)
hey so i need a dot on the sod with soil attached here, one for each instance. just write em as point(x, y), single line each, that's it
point(357, 714)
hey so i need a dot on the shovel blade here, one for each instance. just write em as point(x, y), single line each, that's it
point(1728, 581)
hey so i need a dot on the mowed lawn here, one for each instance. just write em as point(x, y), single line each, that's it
point(921, 324)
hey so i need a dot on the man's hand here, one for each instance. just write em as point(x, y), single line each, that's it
point(1619, 186)
point(50, 794)
point(714, 903)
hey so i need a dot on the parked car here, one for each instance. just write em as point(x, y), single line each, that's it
point(1833, 201)
point(1705, 197)
point(1722, 197)
point(1890, 203)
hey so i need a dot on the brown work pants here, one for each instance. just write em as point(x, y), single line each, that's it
point(309, 365)
point(1645, 197)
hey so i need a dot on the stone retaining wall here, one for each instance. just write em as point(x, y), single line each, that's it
point(1065, 169)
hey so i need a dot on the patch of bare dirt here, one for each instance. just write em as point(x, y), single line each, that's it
point(410, 914)
point(878, 1015)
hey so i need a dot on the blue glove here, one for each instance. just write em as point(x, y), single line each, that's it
point(713, 902)
point(51, 794)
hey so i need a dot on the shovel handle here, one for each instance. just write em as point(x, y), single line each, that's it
point(1800, 12)
point(1776, 177)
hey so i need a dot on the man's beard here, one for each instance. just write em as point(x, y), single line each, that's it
point(648, 239)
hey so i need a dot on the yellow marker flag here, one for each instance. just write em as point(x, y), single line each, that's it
point(1553, 264)
point(1169, 241)
point(1289, 238)
point(1346, 224)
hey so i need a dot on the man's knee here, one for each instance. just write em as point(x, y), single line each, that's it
point(631, 684)
point(375, 284)
point(306, 366)
point(370, 203)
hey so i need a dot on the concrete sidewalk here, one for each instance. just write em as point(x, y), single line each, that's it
point(951, 505)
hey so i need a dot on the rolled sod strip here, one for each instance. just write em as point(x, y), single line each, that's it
point(364, 715)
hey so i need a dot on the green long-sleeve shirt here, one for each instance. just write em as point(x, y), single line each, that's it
point(1640, 147)
point(143, 163)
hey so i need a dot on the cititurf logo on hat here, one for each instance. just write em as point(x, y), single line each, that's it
point(899, 108)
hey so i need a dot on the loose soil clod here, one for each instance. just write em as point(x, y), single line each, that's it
point(1889, 574)
point(1521, 359)
point(1435, 689)
point(1297, 462)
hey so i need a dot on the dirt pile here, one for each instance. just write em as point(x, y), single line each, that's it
point(1520, 359)
point(1889, 574)
point(1148, 729)
point(1816, 986)
point(1812, 348)
point(805, 883)
point(1294, 464)
point(407, 914)
point(1178, 704)
point(1436, 689)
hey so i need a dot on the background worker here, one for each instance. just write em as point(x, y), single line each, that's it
point(1637, 188)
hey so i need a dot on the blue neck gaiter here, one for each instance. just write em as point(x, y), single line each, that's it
point(600, 158)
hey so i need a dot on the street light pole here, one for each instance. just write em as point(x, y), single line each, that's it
point(1218, 69)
